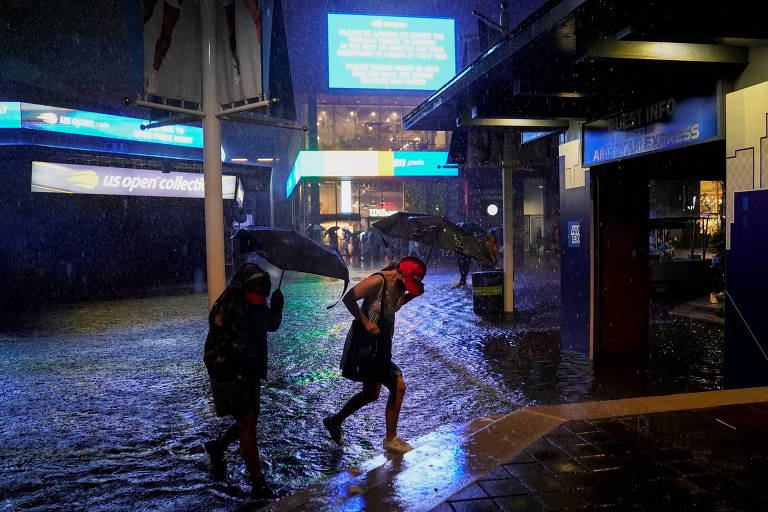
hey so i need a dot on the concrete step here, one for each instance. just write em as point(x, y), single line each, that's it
point(703, 304)
point(692, 312)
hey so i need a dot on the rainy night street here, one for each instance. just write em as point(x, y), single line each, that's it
point(363, 255)
point(106, 404)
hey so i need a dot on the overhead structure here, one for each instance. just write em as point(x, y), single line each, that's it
point(211, 114)
point(620, 80)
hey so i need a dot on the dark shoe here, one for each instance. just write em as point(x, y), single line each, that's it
point(261, 491)
point(218, 465)
point(333, 428)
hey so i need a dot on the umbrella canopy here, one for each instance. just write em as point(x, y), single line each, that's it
point(435, 231)
point(289, 250)
point(471, 228)
point(313, 227)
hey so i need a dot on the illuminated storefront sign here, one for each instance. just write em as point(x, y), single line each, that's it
point(92, 124)
point(354, 164)
point(390, 52)
point(659, 125)
point(381, 212)
point(119, 181)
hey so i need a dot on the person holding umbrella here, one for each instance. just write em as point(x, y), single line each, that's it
point(236, 359)
point(367, 356)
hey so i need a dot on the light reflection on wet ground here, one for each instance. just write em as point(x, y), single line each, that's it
point(105, 404)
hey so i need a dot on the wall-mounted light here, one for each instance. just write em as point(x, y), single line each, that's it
point(492, 209)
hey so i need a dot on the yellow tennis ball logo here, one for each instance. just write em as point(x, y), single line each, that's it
point(84, 179)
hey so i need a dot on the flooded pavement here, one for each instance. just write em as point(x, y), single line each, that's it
point(105, 405)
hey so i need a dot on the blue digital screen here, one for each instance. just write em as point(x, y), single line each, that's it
point(93, 124)
point(390, 52)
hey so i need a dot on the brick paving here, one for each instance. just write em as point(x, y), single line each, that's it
point(705, 459)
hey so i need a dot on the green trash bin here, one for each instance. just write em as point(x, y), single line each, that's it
point(488, 292)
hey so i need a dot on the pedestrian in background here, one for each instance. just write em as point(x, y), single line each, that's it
point(463, 262)
point(367, 356)
point(236, 359)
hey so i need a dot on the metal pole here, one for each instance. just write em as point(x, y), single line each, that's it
point(214, 205)
point(272, 199)
point(511, 142)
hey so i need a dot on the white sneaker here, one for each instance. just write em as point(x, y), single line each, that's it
point(397, 445)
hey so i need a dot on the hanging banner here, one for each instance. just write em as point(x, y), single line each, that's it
point(173, 49)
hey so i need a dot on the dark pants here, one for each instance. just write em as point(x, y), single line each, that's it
point(463, 264)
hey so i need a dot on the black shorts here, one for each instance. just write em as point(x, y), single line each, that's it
point(237, 399)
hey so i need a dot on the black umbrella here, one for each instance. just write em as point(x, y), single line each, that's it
point(313, 227)
point(289, 250)
point(471, 228)
point(434, 231)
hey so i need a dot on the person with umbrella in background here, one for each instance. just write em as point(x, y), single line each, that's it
point(333, 238)
point(367, 356)
point(236, 359)
point(464, 261)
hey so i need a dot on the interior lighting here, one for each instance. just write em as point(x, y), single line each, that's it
point(346, 197)
point(239, 160)
point(492, 209)
point(265, 159)
point(373, 114)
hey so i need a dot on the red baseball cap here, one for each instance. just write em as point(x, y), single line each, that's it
point(412, 268)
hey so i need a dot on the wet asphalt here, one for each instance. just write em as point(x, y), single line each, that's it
point(105, 404)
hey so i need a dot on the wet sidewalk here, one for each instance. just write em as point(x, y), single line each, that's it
point(107, 403)
point(697, 451)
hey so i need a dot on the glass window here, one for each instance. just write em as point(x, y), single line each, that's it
point(370, 197)
point(391, 197)
point(328, 198)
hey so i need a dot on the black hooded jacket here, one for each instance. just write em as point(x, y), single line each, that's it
point(236, 344)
